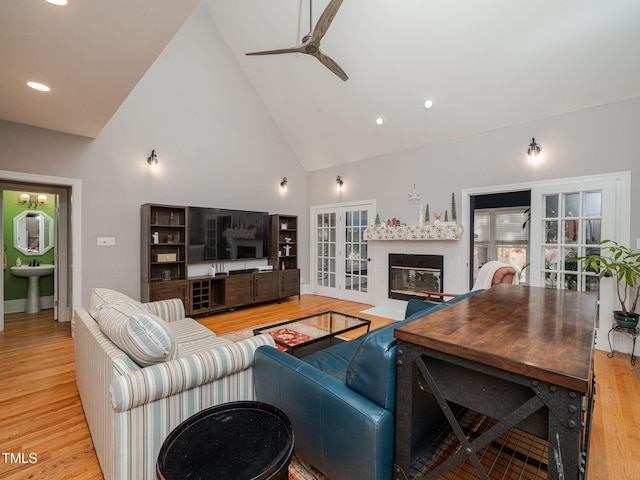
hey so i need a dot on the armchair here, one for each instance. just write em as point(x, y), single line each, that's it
point(341, 400)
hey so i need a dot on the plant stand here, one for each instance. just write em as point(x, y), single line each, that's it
point(632, 333)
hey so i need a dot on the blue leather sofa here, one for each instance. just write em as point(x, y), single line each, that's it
point(341, 400)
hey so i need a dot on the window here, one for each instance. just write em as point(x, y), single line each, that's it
point(501, 234)
point(497, 232)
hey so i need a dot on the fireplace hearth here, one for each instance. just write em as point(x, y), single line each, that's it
point(412, 275)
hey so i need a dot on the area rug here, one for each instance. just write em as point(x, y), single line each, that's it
point(298, 469)
point(301, 470)
point(514, 454)
point(302, 333)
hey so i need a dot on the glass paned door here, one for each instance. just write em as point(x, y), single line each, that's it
point(568, 219)
point(340, 263)
point(326, 251)
point(356, 264)
point(572, 227)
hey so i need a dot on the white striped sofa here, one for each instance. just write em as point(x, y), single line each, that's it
point(131, 409)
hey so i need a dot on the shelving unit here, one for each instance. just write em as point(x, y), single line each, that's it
point(165, 265)
point(283, 252)
point(206, 294)
point(283, 242)
point(164, 252)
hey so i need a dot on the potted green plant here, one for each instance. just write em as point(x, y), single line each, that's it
point(623, 265)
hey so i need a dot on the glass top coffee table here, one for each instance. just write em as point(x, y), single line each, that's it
point(304, 336)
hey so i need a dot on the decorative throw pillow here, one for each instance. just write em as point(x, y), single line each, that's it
point(101, 297)
point(146, 338)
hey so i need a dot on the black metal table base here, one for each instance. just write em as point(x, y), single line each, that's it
point(557, 415)
point(515, 454)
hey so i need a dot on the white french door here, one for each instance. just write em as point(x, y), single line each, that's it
point(569, 219)
point(340, 254)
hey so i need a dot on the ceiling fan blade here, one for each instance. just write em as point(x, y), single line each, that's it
point(299, 49)
point(311, 42)
point(331, 65)
point(325, 21)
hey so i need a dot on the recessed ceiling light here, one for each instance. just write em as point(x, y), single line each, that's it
point(428, 102)
point(379, 120)
point(38, 86)
point(57, 2)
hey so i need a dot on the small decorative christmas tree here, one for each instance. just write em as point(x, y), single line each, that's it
point(454, 215)
point(427, 215)
point(377, 220)
point(446, 216)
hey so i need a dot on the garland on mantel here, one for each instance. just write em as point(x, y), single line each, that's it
point(439, 231)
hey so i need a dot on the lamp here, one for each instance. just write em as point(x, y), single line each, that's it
point(32, 200)
point(152, 160)
point(283, 184)
point(534, 149)
point(339, 183)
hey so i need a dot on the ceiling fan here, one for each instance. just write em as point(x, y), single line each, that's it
point(311, 42)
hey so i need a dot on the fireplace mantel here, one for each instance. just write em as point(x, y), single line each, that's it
point(439, 231)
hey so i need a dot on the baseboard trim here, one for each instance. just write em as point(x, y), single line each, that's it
point(20, 304)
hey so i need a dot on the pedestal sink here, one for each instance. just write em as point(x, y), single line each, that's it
point(33, 274)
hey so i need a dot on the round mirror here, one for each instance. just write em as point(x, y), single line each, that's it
point(33, 232)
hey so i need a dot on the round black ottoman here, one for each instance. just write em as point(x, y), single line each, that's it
point(234, 441)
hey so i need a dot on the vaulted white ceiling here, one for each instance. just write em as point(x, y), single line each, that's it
point(90, 53)
point(487, 64)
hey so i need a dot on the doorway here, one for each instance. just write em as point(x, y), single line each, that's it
point(62, 192)
point(30, 238)
point(499, 228)
point(568, 217)
point(340, 257)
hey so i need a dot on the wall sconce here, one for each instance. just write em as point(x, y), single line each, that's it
point(534, 149)
point(152, 160)
point(339, 183)
point(283, 184)
point(32, 201)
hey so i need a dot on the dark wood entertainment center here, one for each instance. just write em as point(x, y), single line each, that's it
point(165, 274)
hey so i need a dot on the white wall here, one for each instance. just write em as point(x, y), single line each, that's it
point(598, 140)
point(595, 141)
point(217, 146)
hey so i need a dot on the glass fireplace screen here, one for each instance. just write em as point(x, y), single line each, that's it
point(412, 282)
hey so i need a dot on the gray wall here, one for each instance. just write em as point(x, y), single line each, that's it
point(594, 141)
point(217, 146)
point(597, 140)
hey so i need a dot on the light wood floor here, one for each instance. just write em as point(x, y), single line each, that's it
point(41, 414)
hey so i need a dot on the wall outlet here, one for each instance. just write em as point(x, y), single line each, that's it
point(106, 241)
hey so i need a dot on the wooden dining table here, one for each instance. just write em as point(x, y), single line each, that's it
point(519, 355)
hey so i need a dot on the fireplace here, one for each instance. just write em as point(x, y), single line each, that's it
point(411, 275)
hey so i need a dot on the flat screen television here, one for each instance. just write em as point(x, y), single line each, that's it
point(217, 234)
